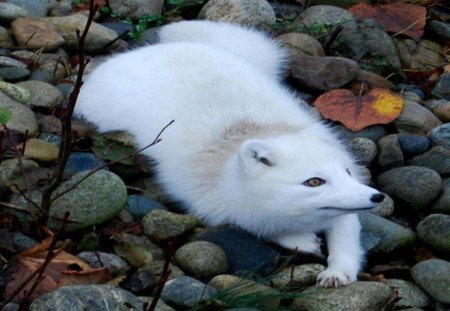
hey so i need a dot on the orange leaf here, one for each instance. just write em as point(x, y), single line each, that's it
point(408, 19)
point(378, 106)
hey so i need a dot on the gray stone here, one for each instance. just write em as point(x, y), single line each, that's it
point(202, 259)
point(441, 28)
point(159, 224)
point(440, 108)
point(409, 295)
point(139, 206)
point(160, 305)
point(83, 161)
point(433, 276)
point(13, 73)
point(442, 88)
point(413, 144)
point(113, 263)
point(385, 208)
point(382, 236)
point(36, 34)
point(6, 61)
point(423, 56)
point(87, 298)
point(437, 158)
point(415, 185)
point(36, 8)
point(10, 171)
point(301, 43)
point(15, 241)
point(148, 276)
point(440, 135)
point(434, 230)
point(185, 292)
point(442, 203)
point(15, 92)
point(323, 15)
point(358, 296)
point(297, 276)
point(246, 12)
point(10, 12)
point(43, 94)
point(40, 150)
point(390, 154)
point(6, 40)
point(363, 149)
point(135, 9)
point(323, 73)
point(137, 250)
point(416, 119)
point(374, 132)
point(23, 119)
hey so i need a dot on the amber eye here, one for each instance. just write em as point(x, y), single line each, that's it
point(314, 182)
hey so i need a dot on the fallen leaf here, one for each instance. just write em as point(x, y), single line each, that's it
point(378, 106)
point(404, 18)
point(112, 150)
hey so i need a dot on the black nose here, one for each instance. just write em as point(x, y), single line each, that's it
point(377, 198)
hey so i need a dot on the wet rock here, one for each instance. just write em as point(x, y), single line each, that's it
point(134, 9)
point(15, 242)
point(244, 251)
point(442, 204)
point(36, 8)
point(434, 230)
point(22, 119)
point(42, 94)
point(441, 28)
point(323, 73)
point(149, 275)
point(423, 56)
point(139, 206)
point(159, 224)
point(374, 132)
point(409, 295)
point(416, 119)
point(382, 236)
point(113, 263)
point(433, 276)
point(390, 154)
point(201, 258)
point(82, 161)
point(297, 276)
point(40, 150)
point(326, 15)
point(364, 149)
point(413, 144)
point(88, 298)
point(440, 135)
point(36, 34)
point(13, 73)
point(10, 170)
point(437, 158)
point(121, 28)
point(185, 292)
point(6, 40)
point(440, 108)
point(138, 251)
point(247, 12)
point(301, 44)
point(10, 12)
point(385, 208)
point(16, 92)
point(411, 89)
point(358, 296)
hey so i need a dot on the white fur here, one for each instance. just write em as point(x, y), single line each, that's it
point(241, 147)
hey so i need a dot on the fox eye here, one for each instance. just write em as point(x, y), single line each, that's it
point(348, 171)
point(314, 182)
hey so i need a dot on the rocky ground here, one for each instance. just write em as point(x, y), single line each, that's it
point(125, 221)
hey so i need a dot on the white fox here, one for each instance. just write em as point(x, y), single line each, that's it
point(243, 150)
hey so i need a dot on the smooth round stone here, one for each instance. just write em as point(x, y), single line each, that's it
point(113, 263)
point(390, 154)
point(358, 296)
point(434, 230)
point(83, 161)
point(301, 43)
point(13, 73)
point(442, 88)
point(413, 144)
point(185, 292)
point(10, 12)
point(247, 12)
point(437, 158)
point(22, 119)
point(137, 250)
point(45, 36)
point(10, 170)
point(423, 55)
point(324, 15)
point(364, 149)
point(15, 242)
point(433, 276)
point(374, 132)
point(87, 298)
point(441, 108)
point(440, 136)
point(40, 150)
point(298, 276)
point(43, 94)
point(135, 9)
point(244, 251)
point(43, 75)
point(442, 204)
point(442, 28)
point(385, 208)
point(382, 236)
point(415, 185)
point(201, 258)
point(416, 119)
point(36, 8)
point(139, 206)
point(6, 40)
point(119, 27)
point(15, 92)
point(403, 87)
point(409, 295)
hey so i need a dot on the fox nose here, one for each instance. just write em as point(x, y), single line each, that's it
point(377, 198)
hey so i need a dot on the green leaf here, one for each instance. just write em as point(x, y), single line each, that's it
point(5, 115)
point(111, 150)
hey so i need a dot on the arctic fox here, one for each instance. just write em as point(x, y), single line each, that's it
point(243, 150)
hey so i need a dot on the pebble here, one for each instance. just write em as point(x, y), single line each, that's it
point(15, 242)
point(423, 56)
point(374, 80)
point(411, 89)
point(433, 276)
point(440, 135)
point(415, 185)
point(246, 12)
point(83, 161)
point(16, 92)
point(244, 251)
point(437, 158)
point(36, 8)
point(385, 208)
point(40, 150)
point(390, 154)
point(10, 170)
point(364, 149)
point(135, 9)
point(323, 73)
point(137, 250)
point(87, 298)
point(185, 292)
point(441, 28)
point(413, 144)
point(36, 34)
point(6, 40)
point(442, 203)
point(139, 206)
point(382, 236)
point(43, 94)
point(297, 276)
point(22, 119)
point(442, 88)
point(440, 108)
point(10, 12)
point(159, 224)
point(152, 190)
point(301, 44)
point(358, 296)
point(6, 61)
point(148, 276)
point(327, 15)
point(13, 73)
point(374, 132)
point(113, 263)
point(409, 295)
point(434, 230)
point(201, 259)
point(416, 119)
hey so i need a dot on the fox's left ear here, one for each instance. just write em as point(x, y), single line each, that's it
point(255, 155)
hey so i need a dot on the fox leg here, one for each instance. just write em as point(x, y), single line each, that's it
point(303, 242)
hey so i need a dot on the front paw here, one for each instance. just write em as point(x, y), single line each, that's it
point(335, 278)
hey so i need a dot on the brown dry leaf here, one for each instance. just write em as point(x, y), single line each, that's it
point(404, 18)
point(378, 106)
point(64, 269)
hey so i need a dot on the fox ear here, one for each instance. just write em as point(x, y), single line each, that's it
point(255, 155)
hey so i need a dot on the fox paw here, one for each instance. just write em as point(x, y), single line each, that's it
point(335, 278)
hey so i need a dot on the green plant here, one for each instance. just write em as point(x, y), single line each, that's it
point(5, 115)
